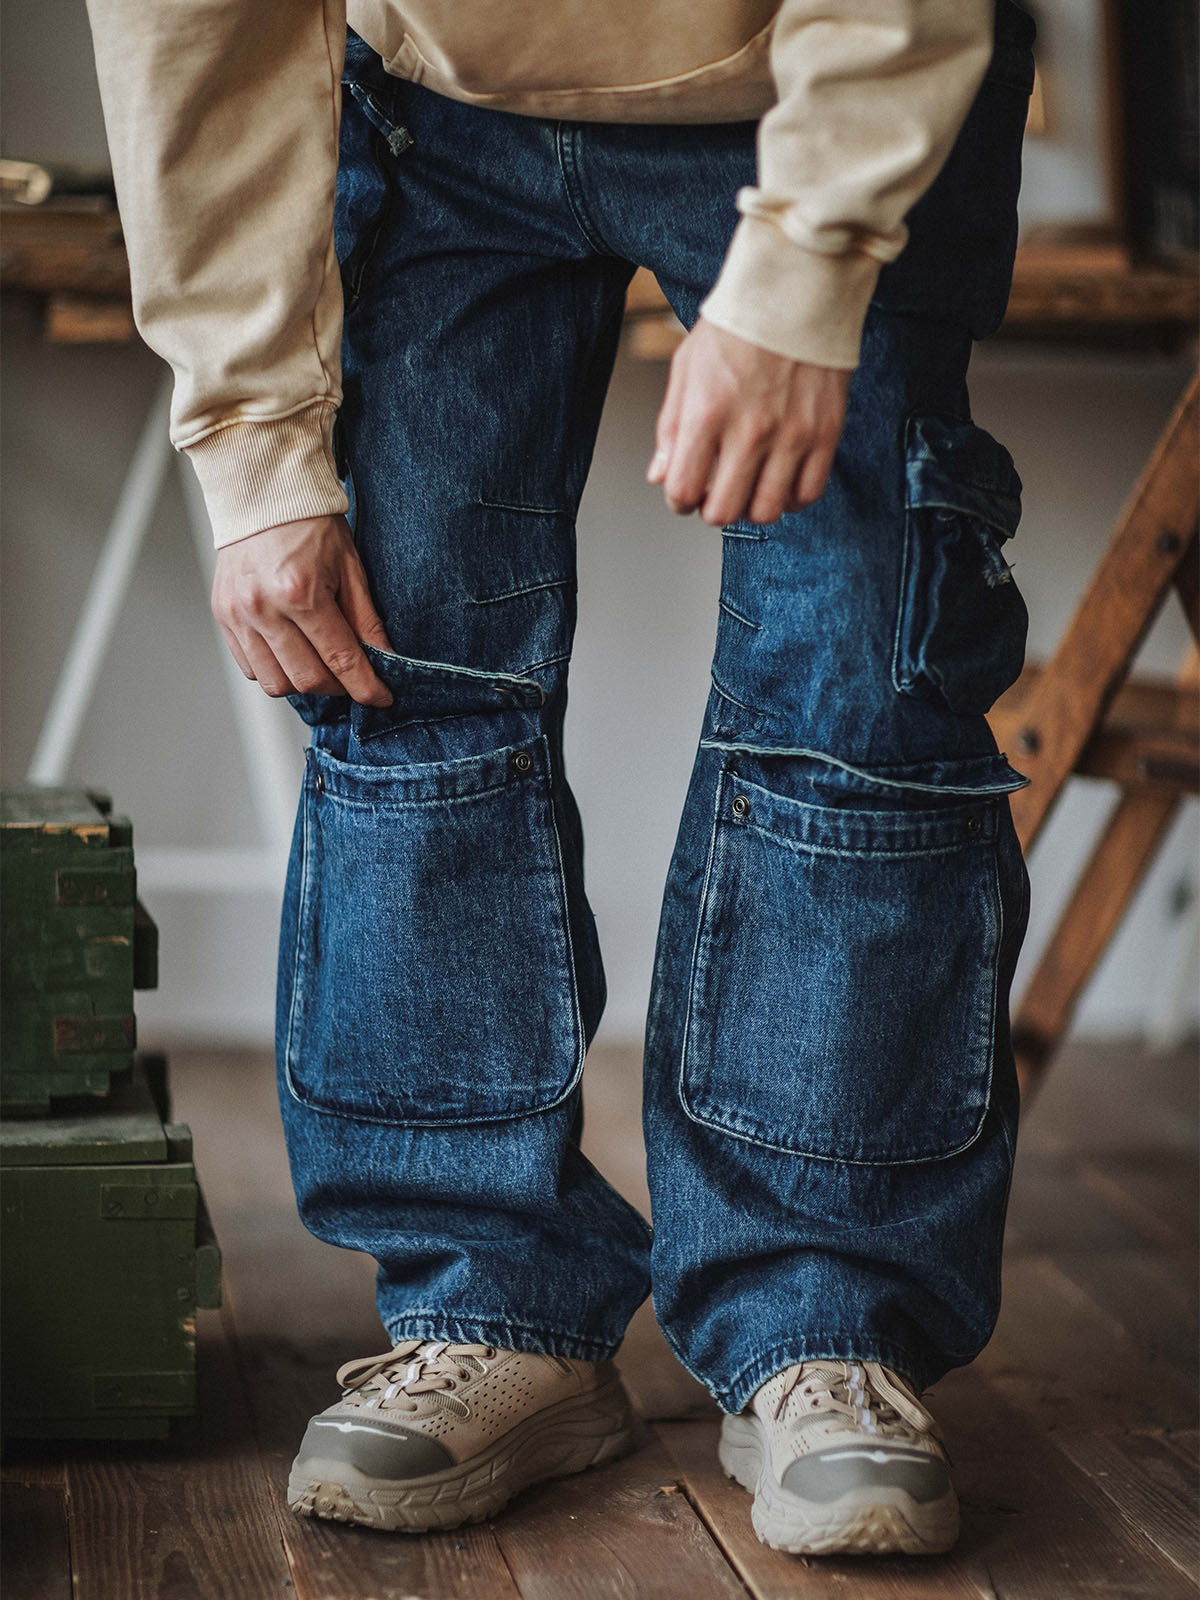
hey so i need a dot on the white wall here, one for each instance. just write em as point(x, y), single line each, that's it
point(160, 735)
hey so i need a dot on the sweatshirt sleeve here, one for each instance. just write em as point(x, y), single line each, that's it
point(222, 120)
point(870, 97)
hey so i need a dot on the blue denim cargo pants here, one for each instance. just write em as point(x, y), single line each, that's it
point(830, 1100)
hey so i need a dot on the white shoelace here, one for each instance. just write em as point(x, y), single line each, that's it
point(864, 1391)
point(412, 1370)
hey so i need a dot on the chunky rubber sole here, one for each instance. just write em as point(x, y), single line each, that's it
point(556, 1442)
point(884, 1521)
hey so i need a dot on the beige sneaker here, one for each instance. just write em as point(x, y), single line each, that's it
point(432, 1435)
point(842, 1458)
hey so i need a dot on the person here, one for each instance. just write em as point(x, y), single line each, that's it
point(387, 262)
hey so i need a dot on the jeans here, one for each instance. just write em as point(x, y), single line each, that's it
point(830, 1098)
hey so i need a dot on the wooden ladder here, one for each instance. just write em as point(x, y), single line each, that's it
point(1081, 713)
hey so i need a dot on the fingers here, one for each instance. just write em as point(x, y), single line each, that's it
point(743, 431)
point(738, 467)
point(236, 651)
point(292, 603)
point(359, 609)
point(813, 476)
point(265, 666)
point(338, 647)
point(667, 425)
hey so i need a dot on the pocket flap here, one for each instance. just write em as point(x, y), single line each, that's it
point(958, 466)
point(422, 690)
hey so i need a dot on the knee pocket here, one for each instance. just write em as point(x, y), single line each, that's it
point(431, 968)
point(844, 980)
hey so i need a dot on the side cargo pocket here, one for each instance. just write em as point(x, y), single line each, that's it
point(961, 621)
point(843, 989)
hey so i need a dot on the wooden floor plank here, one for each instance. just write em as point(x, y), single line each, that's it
point(1157, 1191)
point(1067, 1361)
point(189, 1515)
point(623, 1532)
point(1149, 1295)
point(1035, 1525)
point(37, 1463)
point(35, 1551)
point(1148, 1484)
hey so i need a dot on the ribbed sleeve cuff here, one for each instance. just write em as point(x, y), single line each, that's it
point(797, 302)
point(256, 474)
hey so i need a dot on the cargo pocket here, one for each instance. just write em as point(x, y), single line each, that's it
point(843, 985)
point(961, 620)
point(434, 976)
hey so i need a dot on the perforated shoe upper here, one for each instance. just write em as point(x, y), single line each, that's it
point(833, 1426)
point(425, 1405)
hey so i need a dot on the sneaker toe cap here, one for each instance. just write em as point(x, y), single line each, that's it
point(829, 1474)
point(377, 1450)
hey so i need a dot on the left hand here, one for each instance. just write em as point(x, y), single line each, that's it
point(744, 433)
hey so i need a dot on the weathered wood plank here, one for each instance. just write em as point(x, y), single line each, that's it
point(1068, 1362)
point(1034, 1524)
point(1148, 1485)
point(35, 1552)
point(188, 1516)
point(1152, 1298)
point(623, 1532)
point(1157, 1192)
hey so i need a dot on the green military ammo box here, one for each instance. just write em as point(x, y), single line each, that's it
point(75, 944)
point(107, 1253)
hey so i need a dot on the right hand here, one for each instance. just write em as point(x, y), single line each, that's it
point(293, 603)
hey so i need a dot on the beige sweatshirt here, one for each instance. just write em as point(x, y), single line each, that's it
point(222, 119)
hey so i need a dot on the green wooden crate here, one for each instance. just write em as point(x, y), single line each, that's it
point(106, 1252)
point(74, 945)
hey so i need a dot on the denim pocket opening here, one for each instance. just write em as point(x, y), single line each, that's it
point(961, 621)
point(818, 1022)
point(422, 691)
point(434, 975)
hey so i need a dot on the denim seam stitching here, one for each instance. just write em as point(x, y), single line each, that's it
point(693, 970)
point(434, 1318)
point(737, 615)
point(515, 594)
point(577, 1070)
point(726, 694)
point(302, 903)
point(902, 685)
point(860, 772)
point(802, 849)
point(550, 661)
point(730, 1390)
point(512, 505)
point(564, 139)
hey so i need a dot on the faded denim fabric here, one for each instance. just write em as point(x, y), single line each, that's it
point(830, 1098)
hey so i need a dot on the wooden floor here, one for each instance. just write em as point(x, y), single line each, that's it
point(1073, 1435)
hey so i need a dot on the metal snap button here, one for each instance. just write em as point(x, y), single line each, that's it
point(319, 780)
point(974, 824)
point(741, 807)
point(522, 761)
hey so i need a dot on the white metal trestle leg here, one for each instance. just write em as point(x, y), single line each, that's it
point(269, 731)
